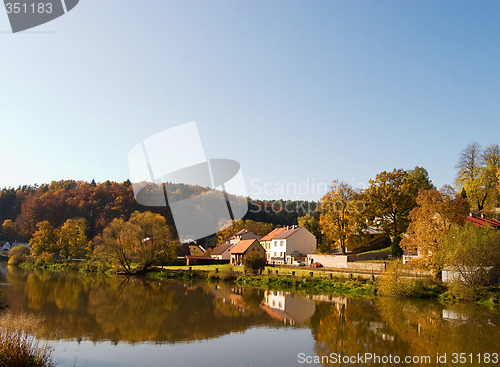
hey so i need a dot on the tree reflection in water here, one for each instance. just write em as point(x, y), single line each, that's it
point(133, 310)
point(401, 327)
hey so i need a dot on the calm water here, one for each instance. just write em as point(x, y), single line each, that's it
point(115, 321)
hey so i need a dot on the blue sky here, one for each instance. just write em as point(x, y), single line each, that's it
point(298, 92)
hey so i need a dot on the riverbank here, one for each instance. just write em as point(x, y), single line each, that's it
point(308, 280)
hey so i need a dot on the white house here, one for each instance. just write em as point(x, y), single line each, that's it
point(287, 307)
point(4, 246)
point(289, 243)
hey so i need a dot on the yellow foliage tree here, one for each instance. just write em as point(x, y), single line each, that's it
point(436, 213)
point(340, 215)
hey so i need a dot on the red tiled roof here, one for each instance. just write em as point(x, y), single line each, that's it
point(493, 221)
point(242, 246)
point(272, 234)
point(483, 222)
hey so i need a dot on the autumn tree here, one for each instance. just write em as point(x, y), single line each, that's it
point(72, 238)
point(435, 214)
point(392, 195)
point(254, 263)
point(472, 252)
point(340, 215)
point(118, 241)
point(312, 224)
point(259, 228)
point(44, 239)
point(143, 239)
point(491, 159)
point(10, 232)
point(477, 174)
point(155, 238)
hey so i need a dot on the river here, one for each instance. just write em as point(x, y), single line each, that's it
point(99, 321)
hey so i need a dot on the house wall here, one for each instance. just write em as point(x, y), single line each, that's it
point(353, 262)
point(451, 274)
point(255, 247)
point(277, 250)
point(301, 241)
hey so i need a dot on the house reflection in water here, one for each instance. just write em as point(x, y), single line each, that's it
point(290, 308)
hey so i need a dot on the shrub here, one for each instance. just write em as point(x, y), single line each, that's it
point(254, 262)
point(228, 274)
point(213, 276)
point(18, 349)
point(472, 252)
point(397, 282)
point(18, 255)
point(16, 259)
point(45, 258)
point(19, 250)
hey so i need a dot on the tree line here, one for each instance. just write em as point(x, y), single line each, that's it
point(419, 218)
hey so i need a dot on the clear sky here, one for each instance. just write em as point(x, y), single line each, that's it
point(298, 92)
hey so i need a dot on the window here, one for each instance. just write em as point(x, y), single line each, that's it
point(282, 243)
point(275, 254)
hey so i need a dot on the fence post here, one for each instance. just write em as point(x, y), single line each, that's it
point(276, 272)
point(216, 270)
point(350, 276)
point(311, 274)
point(330, 276)
point(293, 273)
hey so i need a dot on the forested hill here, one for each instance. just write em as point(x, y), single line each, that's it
point(99, 203)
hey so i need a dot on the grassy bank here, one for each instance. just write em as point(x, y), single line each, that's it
point(322, 281)
point(310, 285)
point(18, 349)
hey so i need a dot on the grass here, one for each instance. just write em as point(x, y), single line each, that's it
point(388, 248)
point(287, 271)
point(310, 285)
point(18, 349)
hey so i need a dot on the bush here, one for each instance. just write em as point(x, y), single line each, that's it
point(397, 282)
point(19, 250)
point(254, 262)
point(396, 248)
point(18, 255)
point(212, 276)
point(228, 274)
point(16, 259)
point(18, 349)
point(45, 258)
point(473, 252)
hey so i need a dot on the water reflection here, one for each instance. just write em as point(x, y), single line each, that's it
point(134, 310)
point(131, 309)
